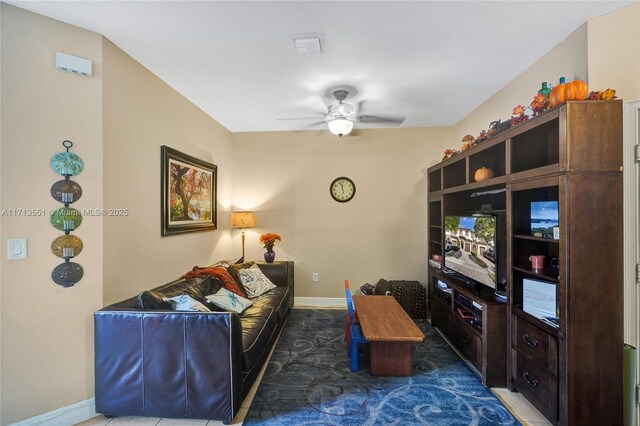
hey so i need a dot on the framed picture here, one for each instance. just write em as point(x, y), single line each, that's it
point(544, 217)
point(188, 193)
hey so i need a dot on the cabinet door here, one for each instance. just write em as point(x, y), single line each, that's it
point(466, 340)
point(441, 316)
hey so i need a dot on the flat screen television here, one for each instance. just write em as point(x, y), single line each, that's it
point(474, 249)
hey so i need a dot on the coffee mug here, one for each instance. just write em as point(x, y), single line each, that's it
point(555, 262)
point(537, 261)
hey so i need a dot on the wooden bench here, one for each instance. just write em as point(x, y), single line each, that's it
point(390, 332)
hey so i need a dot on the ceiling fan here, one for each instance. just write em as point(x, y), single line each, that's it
point(341, 116)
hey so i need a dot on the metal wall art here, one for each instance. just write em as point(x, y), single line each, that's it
point(66, 219)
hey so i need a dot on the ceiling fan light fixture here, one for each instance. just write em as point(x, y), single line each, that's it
point(340, 126)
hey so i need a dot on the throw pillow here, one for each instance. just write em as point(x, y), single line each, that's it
point(229, 301)
point(233, 269)
point(151, 300)
point(227, 280)
point(254, 281)
point(185, 303)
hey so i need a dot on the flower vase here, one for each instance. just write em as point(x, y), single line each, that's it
point(269, 256)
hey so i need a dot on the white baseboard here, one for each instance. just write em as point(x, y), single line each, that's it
point(65, 416)
point(321, 302)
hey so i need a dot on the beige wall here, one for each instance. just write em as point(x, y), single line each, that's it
point(614, 52)
point(47, 330)
point(141, 113)
point(567, 59)
point(285, 178)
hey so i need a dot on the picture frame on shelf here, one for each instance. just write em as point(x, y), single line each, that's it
point(188, 193)
point(544, 218)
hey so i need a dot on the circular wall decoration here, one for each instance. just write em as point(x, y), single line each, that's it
point(66, 246)
point(66, 191)
point(66, 219)
point(67, 274)
point(342, 189)
point(67, 164)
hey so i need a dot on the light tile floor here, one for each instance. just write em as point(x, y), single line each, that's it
point(515, 402)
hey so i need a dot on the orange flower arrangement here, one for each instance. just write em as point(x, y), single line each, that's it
point(268, 240)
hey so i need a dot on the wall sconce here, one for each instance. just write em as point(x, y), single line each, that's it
point(243, 220)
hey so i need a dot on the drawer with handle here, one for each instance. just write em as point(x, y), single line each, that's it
point(535, 383)
point(539, 345)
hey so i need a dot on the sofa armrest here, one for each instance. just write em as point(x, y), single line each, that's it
point(168, 364)
point(280, 273)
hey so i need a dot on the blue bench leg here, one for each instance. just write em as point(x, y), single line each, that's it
point(353, 355)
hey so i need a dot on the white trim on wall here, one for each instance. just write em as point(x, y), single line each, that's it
point(321, 302)
point(65, 416)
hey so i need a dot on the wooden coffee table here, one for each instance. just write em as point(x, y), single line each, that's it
point(390, 332)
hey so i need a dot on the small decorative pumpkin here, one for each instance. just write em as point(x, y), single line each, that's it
point(483, 173)
point(558, 93)
point(576, 90)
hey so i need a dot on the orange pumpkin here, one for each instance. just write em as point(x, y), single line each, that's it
point(483, 173)
point(558, 93)
point(576, 90)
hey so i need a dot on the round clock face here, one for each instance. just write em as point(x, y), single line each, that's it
point(342, 189)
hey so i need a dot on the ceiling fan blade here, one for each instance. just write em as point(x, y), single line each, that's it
point(317, 123)
point(380, 119)
point(301, 118)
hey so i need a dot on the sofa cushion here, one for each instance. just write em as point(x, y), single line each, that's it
point(278, 299)
point(186, 303)
point(229, 301)
point(259, 323)
point(254, 281)
point(196, 287)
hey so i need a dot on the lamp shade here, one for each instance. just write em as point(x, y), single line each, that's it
point(243, 220)
point(340, 126)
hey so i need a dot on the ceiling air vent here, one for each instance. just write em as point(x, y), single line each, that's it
point(307, 44)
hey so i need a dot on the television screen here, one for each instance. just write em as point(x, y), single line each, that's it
point(470, 247)
point(544, 216)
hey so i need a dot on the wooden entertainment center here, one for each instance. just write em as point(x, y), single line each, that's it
point(571, 372)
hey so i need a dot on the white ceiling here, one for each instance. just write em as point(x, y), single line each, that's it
point(432, 62)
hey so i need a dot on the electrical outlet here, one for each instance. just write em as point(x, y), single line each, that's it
point(315, 277)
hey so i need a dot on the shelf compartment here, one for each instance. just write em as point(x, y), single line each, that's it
point(492, 158)
point(536, 147)
point(522, 203)
point(435, 180)
point(454, 174)
point(523, 248)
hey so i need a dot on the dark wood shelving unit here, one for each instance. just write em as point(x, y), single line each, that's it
point(571, 155)
point(481, 336)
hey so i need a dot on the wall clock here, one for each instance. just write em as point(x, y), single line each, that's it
point(342, 189)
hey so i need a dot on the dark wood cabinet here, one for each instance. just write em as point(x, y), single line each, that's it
point(474, 323)
point(568, 365)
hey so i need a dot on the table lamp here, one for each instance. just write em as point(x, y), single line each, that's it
point(243, 220)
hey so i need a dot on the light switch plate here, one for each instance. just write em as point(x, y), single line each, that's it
point(17, 249)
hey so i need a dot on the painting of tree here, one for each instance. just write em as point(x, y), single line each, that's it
point(188, 193)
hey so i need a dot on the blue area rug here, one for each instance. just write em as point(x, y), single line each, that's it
point(308, 382)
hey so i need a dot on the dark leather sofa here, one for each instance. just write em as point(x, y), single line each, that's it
point(201, 365)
